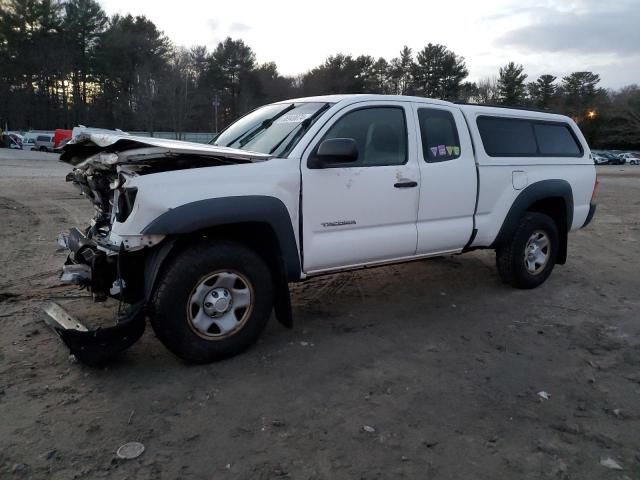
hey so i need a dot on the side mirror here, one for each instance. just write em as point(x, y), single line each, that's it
point(335, 151)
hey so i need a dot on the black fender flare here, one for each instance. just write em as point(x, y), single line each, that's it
point(204, 214)
point(553, 188)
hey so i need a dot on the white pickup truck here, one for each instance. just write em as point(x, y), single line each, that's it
point(204, 239)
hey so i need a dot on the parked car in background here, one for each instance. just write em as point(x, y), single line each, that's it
point(28, 144)
point(10, 140)
point(29, 140)
point(44, 143)
point(599, 159)
point(16, 140)
point(631, 158)
point(599, 153)
point(614, 158)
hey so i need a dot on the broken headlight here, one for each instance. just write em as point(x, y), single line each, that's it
point(126, 199)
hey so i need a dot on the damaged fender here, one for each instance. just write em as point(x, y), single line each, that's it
point(115, 256)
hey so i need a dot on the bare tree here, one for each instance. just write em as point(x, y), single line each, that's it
point(488, 92)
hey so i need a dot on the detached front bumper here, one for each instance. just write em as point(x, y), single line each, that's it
point(89, 266)
point(95, 347)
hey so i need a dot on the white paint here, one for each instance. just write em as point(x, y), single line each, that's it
point(367, 220)
point(447, 192)
point(497, 191)
point(385, 216)
point(519, 179)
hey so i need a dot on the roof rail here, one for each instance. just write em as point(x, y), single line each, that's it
point(511, 107)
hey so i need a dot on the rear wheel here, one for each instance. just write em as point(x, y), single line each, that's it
point(212, 302)
point(528, 259)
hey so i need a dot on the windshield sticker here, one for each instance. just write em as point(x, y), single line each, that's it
point(442, 150)
point(434, 151)
point(293, 118)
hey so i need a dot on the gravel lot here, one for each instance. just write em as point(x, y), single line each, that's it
point(439, 360)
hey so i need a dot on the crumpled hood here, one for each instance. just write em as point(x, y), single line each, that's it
point(109, 149)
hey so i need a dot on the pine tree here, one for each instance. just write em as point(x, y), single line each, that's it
point(511, 87)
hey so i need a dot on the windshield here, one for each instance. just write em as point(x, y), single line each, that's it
point(272, 129)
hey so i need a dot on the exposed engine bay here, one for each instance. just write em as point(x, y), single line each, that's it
point(104, 162)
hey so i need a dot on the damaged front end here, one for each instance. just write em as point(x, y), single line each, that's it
point(104, 272)
point(111, 257)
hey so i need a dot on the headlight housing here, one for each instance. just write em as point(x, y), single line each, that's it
point(125, 202)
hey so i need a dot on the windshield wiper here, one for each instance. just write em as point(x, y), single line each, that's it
point(306, 123)
point(245, 138)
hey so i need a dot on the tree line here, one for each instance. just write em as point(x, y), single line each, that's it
point(66, 63)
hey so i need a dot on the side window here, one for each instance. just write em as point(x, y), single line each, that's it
point(557, 140)
point(507, 137)
point(514, 137)
point(439, 134)
point(379, 132)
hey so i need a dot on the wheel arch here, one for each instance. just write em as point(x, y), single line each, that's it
point(248, 219)
point(261, 222)
point(552, 197)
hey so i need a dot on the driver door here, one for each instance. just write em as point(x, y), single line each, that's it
point(363, 212)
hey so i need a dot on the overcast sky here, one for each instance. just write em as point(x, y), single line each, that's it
point(546, 36)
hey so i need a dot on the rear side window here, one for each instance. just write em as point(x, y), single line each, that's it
point(379, 132)
point(439, 135)
point(515, 137)
point(507, 137)
point(556, 139)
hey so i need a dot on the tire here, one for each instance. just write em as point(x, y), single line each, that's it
point(183, 303)
point(529, 271)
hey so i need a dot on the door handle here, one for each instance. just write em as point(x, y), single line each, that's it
point(404, 183)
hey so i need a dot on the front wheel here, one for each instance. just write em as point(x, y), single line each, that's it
point(527, 260)
point(212, 302)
